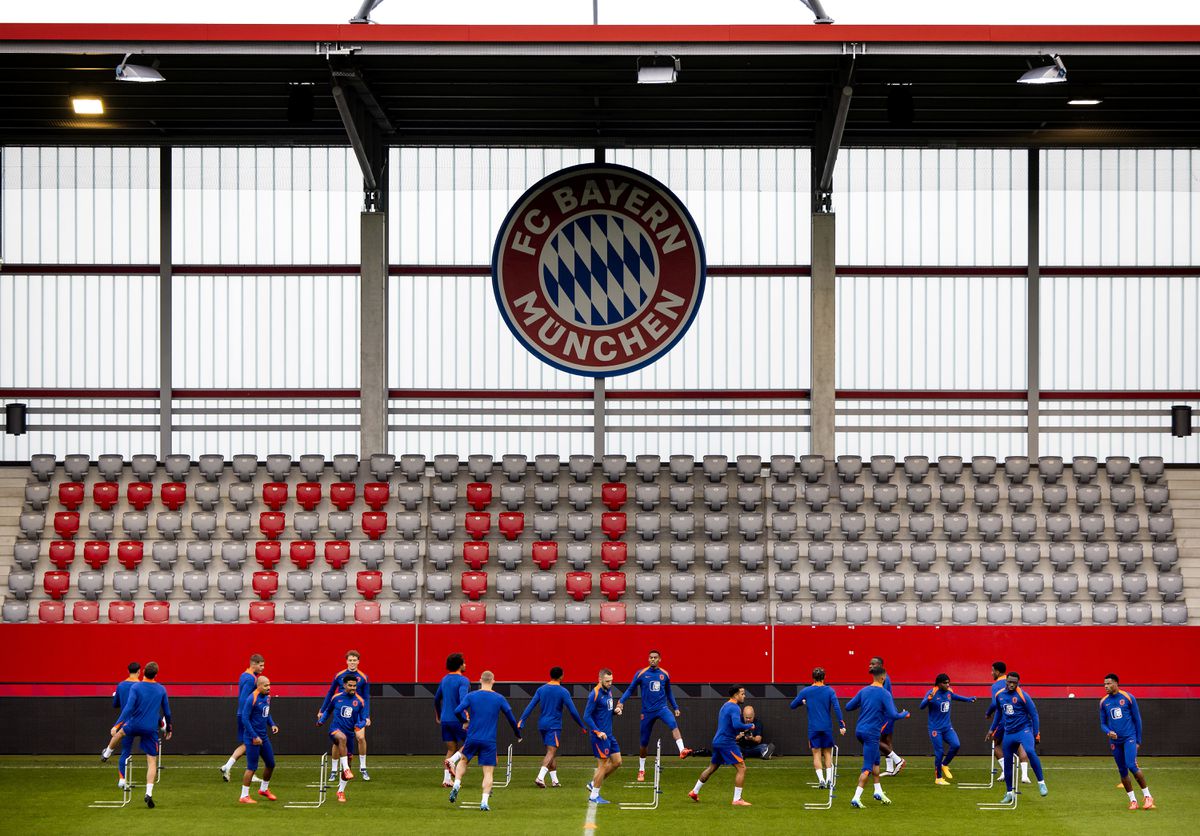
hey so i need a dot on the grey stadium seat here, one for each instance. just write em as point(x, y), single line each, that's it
point(100, 524)
point(543, 585)
point(445, 466)
point(783, 467)
point(1062, 556)
point(683, 613)
point(406, 554)
point(816, 496)
point(204, 524)
point(233, 554)
point(43, 466)
point(479, 467)
point(888, 555)
point(1030, 585)
point(1122, 497)
point(786, 555)
point(545, 525)
point(279, 467)
point(125, 584)
point(1134, 586)
point(1139, 614)
point(1091, 526)
point(90, 584)
point(920, 526)
point(682, 585)
point(783, 495)
point(1156, 497)
point(513, 466)
point(1065, 585)
point(1100, 585)
point(371, 553)
point(958, 556)
point(682, 467)
point(787, 585)
point(999, 613)
point(916, 468)
point(854, 555)
point(922, 555)
point(441, 555)
point(820, 555)
point(647, 467)
point(1050, 469)
point(753, 613)
point(983, 469)
point(1151, 469)
point(226, 612)
point(918, 497)
point(241, 496)
point(926, 585)
point(887, 525)
point(950, 468)
point(200, 554)
point(883, 468)
point(579, 496)
point(334, 584)
point(823, 613)
point(749, 496)
point(1088, 498)
point(683, 525)
point(577, 612)
point(237, 524)
point(169, 524)
point(1058, 526)
point(812, 468)
point(1033, 613)
point(579, 555)
point(749, 468)
point(682, 497)
point(858, 613)
point(716, 555)
point(508, 613)
point(547, 467)
point(1164, 555)
point(36, 496)
point(716, 526)
point(930, 613)
point(512, 497)
point(1016, 469)
point(1024, 526)
point(752, 585)
point(445, 495)
point(190, 612)
point(648, 525)
point(404, 584)
point(32, 524)
point(581, 467)
point(410, 494)
point(717, 613)
point(750, 526)
point(1172, 613)
point(1130, 556)
point(967, 613)
point(849, 467)
point(647, 585)
point(647, 555)
point(160, 584)
point(297, 612)
point(110, 466)
point(1161, 527)
point(1096, 555)
point(715, 467)
point(891, 585)
point(312, 466)
point(341, 523)
point(437, 584)
point(683, 555)
point(441, 524)
point(1068, 614)
point(334, 612)
point(992, 556)
point(853, 525)
point(300, 584)
point(20, 584)
point(509, 555)
point(995, 585)
point(820, 585)
point(211, 466)
point(1117, 468)
point(788, 613)
point(307, 524)
point(851, 496)
point(892, 613)
point(1028, 556)
point(647, 613)
point(76, 466)
point(1054, 497)
point(955, 526)
point(195, 585)
point(245, 467)
point(750, 555)
point(1104, 614)
point(885, 497)
point(541, 613)
point(783, 524)
point(1126, 526)
point(856, 584)
point(647, 496)
point(986, 496)
point(990, 526)
point(1020, 497)
point(144, 466)
point(26, 554)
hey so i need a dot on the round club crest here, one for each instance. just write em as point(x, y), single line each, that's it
point(598, 270)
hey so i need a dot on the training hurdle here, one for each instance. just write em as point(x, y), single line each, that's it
point(832, 785)
point(991, 782)
point(653, 786)
point(321, 786)
point(1015, 793)
point(126, 790)
point(496, 785)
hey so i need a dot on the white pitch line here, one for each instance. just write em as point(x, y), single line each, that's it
point(589, 821)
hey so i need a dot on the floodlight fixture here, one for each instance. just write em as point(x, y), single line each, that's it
point(658, 69)
point(364, 11)
point(818, 11)
point(1054, 73)
point(88, 106)
point(1084, 101)
point(136, 72)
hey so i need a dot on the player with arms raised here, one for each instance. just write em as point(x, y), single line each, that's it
point(552, 698)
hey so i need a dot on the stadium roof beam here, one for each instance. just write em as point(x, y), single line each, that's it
point(831, 125)
point(367, 127)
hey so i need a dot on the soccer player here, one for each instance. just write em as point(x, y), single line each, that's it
point(876, 711)
point(246, 685)
point(256, 718)
point(363, 690)
point(1017, 715)
point(146, 706)
point(893, 762)
point(941, 730)
point(451, 691)
point(552, 698)
point(1122, 722)
point(822, 704)
point(999, 670)
point(658, 703)
point(725, 751)
point(120, 694)
point(597, 722)
point(346, 709)
point(481, 712)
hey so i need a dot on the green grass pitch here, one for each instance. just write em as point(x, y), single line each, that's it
point(51, 795)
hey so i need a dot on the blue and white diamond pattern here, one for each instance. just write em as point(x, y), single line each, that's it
point(599, 270)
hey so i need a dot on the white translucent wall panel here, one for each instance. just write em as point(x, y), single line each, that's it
point(447, 204)
point(1002, 434)
point(254, 332)
point(328, 426)
point(752, 205)
point(1146, 434)
point(266, 206)
point(931, 333)
point(1133, 206)
point(79, 331)
point(914, 206)
point(563, 427)
point(761, 434)
point(118, 416)
point(79, 205)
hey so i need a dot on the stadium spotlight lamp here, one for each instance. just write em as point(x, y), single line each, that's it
point(658, 69)
point(364, 11)
point(1085, 101)
point(1055, 73)
point(136, 72)
point(818, 11)
point(88, 105)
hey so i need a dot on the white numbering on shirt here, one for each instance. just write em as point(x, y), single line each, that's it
point(945, 709)
point(347, 711)
point(1008, 708)
point(655, 686)
point(1116, 713)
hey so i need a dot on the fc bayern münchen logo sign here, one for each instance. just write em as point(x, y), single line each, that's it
point(598, 270)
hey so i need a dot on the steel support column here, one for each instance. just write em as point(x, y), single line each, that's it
point(373, 330)
point(823, 335)
point(1033, 305)
point(164, 303)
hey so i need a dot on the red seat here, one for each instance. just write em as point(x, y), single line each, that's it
point(85, 612)
point(370, 584)
point(266, 584)
point(374, 524)
point(308, 494)
point(579, 585)
point(479, 495)
point(474, 584)
point(302, 553)
point(275, 495)
point(62, 553)
point(478, 525)
point(262, 612)
point(56, 584)
point(139, 494)
point(105, 495)
point(545, 554)
point(271, 524)
point(342, 495)
point(612, 585)
point(66, 524)
point(614, 494)
point(612, 613)
point(469, 613)
point(512, 523)
point(268, 553)
point(173, 495)
point(95, 553)
point(120, 612)
point(613, 523)
point(51, 612)
point(158, 612)
point(614, 555)
point(377, 495)
point(337, 553)
point(366, 612)
point(476, 554)
point(129, 553)
point(70, 494)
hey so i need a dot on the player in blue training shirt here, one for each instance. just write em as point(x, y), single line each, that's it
point(941, 730)
point(245, 686)
point(144, 709)
point(551, 698)
point(347, 712)
point(480, 710)
point(597, 722)
point(892, 762)
point(999, 671)
point(450, 692)
point(363, 690)
point(1017, 715)
point(120, 694)
point(1121, 720)
point(658, 703)
point(875, 711)
point(725, 749)
point(255, 714)
point(822, 704)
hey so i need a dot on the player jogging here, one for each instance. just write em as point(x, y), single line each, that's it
point(256, 718)
point(363, 690)
point(1017, 715)
point(552, 698)
point(245, 686)
point(658, 703)
point(893, 763)
point(941, 731)
point(120, 695)
point(450, 692)
point(876, 710)
point(146, 707)
point(597, 722)
point(822, 704)
point(725, 751)
point(346, 710)
point(481, 712)
point(1121, 720)
point(999, 669)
